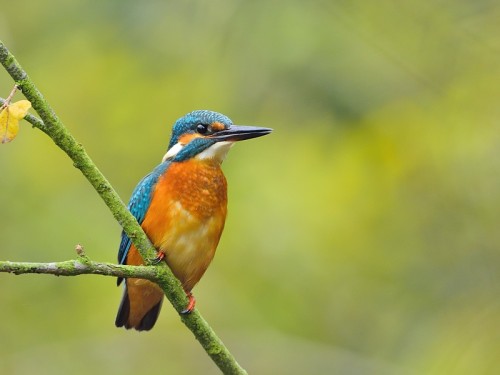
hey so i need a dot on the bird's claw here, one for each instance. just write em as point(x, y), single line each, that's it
point(190, 306)
point(159, 257)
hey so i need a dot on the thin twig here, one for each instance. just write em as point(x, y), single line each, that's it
point(7, 101)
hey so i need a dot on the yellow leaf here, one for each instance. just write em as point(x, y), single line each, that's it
point(9, 119)
point(19, 109)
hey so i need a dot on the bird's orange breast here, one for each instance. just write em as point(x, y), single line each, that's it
point(186, 217)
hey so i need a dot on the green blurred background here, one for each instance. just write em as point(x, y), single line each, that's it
point(362, 235)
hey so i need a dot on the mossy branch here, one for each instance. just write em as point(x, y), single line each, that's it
point(51, 125)
point(82, 266)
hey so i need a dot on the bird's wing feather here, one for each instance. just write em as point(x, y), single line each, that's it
point(139, 204)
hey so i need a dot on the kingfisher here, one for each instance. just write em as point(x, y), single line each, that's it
point(181, 206)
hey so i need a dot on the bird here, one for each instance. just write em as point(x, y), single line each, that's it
point(181, 206)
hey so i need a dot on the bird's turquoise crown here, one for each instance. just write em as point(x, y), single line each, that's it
point(190, 122)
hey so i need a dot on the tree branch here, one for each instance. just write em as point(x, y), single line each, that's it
point(51, 125)
point(81, 266)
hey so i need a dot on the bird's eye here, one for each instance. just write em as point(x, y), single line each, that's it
point(202, 128)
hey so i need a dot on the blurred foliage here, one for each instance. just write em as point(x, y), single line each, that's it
point(362, 235)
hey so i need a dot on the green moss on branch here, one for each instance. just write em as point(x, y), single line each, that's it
point(79, 266)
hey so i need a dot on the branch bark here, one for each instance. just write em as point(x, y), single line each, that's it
point(51, 125)
point(82, 266)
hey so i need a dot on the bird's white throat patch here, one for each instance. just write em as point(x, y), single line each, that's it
point(217, 151)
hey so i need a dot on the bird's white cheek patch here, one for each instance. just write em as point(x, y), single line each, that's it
point(217, 151)
point(174, 150)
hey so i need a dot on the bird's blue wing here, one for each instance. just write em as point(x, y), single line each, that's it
point(139, 205)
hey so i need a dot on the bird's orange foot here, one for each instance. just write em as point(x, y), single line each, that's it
point(190, 306)
point(159, 257)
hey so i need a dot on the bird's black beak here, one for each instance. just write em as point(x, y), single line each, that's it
point(239, 133)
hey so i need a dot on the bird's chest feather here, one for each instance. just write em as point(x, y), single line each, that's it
point(186, 217)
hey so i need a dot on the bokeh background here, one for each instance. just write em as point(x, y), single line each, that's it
point(362, 235)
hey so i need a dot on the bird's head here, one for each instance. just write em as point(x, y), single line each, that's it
point(207, 135)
